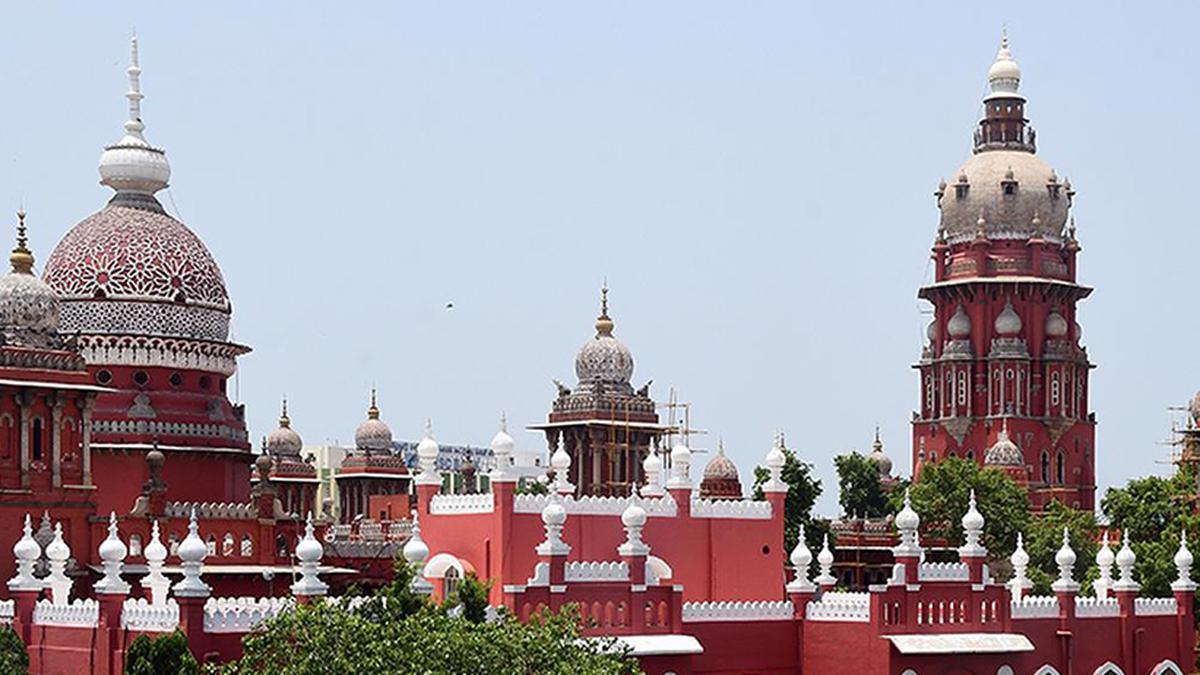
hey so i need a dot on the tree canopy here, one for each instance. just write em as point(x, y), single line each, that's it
point(396, 631)
point(860, 492)
point(1154, 510)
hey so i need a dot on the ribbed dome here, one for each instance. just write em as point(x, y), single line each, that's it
point(882, 462)
point(959, 325)
point(373, 435)
point(1056, 325)
point(720, 467)
point(1004, 77)
point(284, 440)
point(604, 357)
point(988, 177)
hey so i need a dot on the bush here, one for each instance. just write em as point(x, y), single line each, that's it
point(166, 655)
point(14, 658)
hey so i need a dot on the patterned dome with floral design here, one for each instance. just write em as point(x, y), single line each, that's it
point(604, 358)
point(373, 435)
point(29, 309)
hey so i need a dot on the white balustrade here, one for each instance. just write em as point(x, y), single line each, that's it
point(662, 507)
point(215, 510)
point(461, 504)
point(760, 610)
point(1088, 608)
point(739, 509)
point(239, 615)
point(1154, 606)
point(943, 571)
point(138, 614)
point(855, 607)
point(1035, 607)
point(78, 613)
point(596, 571)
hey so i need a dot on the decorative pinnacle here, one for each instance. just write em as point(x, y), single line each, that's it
point(504, 422)
point(604, 324)
point(428, 427)
point(22, 257)
point(373, 411)
point(134, 125)
point(878, 444)
point(284, 420)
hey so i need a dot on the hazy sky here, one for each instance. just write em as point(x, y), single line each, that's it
point(754, 179)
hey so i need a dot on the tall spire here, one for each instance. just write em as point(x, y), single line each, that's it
point(373, 411)
point(22, 257)
point(131, 166)
point(284, 420)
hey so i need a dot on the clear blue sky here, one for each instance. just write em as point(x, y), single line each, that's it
point(754, 180)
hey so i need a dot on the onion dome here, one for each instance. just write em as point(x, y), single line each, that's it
point(284, 440)
point(560, 461)
point(428, 449)
point(373, 435)
point(1183, 557)
point(720, 467)
point(604, 358)
point(112, 549)
point(907, 519)
point(633, 515)
point(131, 268)
point(502, 444)
point(959, 325)
point(26, 549)
point(415, 549)
point(29, 309)
point(155, 551)
point(1019, 557)
point(1004, 452)
point(309, 550)
point(801, 556)
point(1008, 323)
point(972, 520)
point(1004, 77)
point(57, 550)
point(1065, 558)
point(878, 457)
point(931, 332)
point(1056, 325)
point(652, 465)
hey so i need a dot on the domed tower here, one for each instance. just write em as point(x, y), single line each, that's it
point(370, 469)
point(149, 306)
point(606, 426)
point(1004, 376)
point(294, 477)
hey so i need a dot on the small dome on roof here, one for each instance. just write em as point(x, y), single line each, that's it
point(1004, 452)
point(604, 357)
point(284, 440)
point(1008, 323)
point(880, 458)
point(29, 308)
point(1056, 325)
point(373, 435)
point(720, 467)
point(959, 325)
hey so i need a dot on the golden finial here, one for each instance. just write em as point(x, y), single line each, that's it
point(878, 444)
point(604, 325)
point(22, 257)
point(284, 421)
point(373, 412)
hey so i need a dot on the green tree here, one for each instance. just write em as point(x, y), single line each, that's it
point(941, 494)
point(1153, 511)
point(163, 655)
point(860, 491)
point(472, 596)
point(14, 658)
point(1043, 539)
point(803, 490)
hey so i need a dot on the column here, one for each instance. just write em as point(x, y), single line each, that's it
point(56, 410)
point(24, 399)
point(86, 428)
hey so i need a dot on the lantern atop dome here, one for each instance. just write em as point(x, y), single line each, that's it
point(1004, 77)
point(132, 164)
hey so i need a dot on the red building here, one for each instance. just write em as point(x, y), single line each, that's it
point(1004, 376)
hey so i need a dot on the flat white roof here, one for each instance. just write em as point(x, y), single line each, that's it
point(961, 643)
point(660, 645)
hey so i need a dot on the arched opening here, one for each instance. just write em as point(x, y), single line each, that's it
point(1060, 468)
point(1045, 467)
point(450, 582)
point(37, 439)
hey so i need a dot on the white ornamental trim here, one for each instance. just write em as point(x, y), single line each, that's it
point(1035, 607)
point(736, 509)
point(663, 507)
point(1154, 606)
point(943, 571)
point(596, 571)
point(239, 615)
point(78, 613)
point(1087, 608)
point(462, 504)
point(138, 614)
point(847, 607)
point(754, 610)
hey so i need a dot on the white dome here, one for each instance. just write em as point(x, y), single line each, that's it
point(1019, 557)
point(502, 444)
point(959, 325)
point(652, 464)
point(1005, 452)
point(604, 358)
point(1004, 76)
point(132, 164)
point(1105, 556)
point(907, 519)
point(633, 515)
point(1008, 323)
point(1056, 325)
point(28, 310)
point(284, 440)
point(1005, 216)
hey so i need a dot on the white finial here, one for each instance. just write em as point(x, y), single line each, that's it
point(825, 560)
point(560, 461)
point(192, 552)
point(1126, 559)
point(553, 517)
point(1004, 77)
point(652, 467)
point(1020, 563)
point(427, 456)
point(681, 467)
point(502, 448)
point(1183, 566)
point(309, 552)
point(155, 581)
point(112, 556)
point(907, 522)
point(1104, 562)
point(132, 164)
point(415, 552)
point(134, 126)
point(801, 559)
point(26, 551)
point(775, 460)
point(972, 522)
point(634, 519)
point(57, 553)
point(1065, 559)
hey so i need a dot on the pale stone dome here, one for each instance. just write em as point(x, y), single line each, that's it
point(1004, 77)
point(373, 435)
point(1004, 452)
point(1008, 323)
point(29, 308)
point(882, 462)
point(284, 440)
point(1013, 192)
point(959, 325)
point(1056, 325)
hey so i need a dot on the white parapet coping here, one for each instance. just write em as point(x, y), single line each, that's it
point(849, 607)
point(443, 505)
point(1088, 608)
point(1035, 607)
point(1154, 606)
point(961, 643)
point(138, 614)
point(84, 613)
point(753, 610)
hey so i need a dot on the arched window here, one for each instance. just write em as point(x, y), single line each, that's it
point(1060, 468)
point(970, 456)
point(1055, 389)
point(135, 544)
point(450, 582)
point(1045, 467)
point(37, 439)
point(962, 388)
point(247, 546)
point(227, 545)
point(212, 544)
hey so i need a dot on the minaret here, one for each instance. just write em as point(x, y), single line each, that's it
point(1004, 372)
